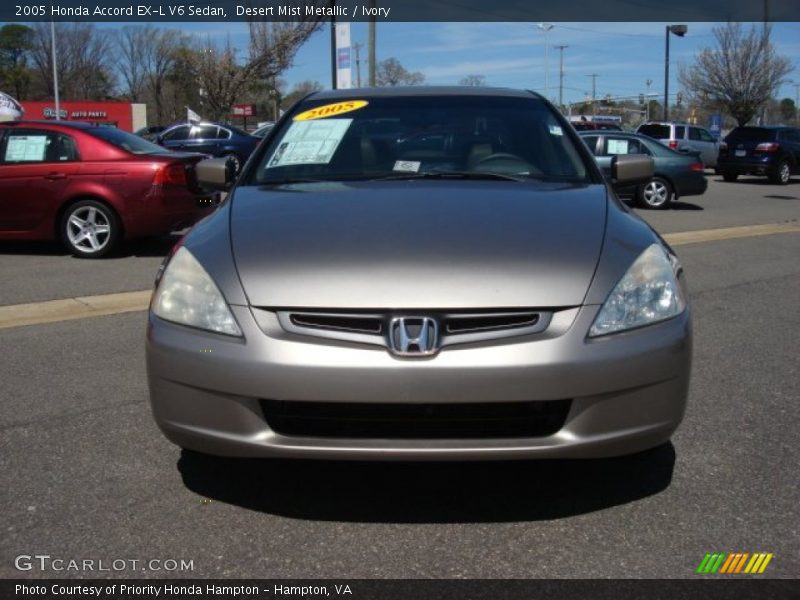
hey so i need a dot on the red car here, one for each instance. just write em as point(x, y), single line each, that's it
point(92, 187)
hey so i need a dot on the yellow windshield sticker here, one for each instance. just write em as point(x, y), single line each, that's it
point(331, 110)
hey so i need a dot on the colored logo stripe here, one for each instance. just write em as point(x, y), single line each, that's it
point(734, 563)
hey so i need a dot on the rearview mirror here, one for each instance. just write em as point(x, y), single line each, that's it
point(631, 169)
point(215, 173)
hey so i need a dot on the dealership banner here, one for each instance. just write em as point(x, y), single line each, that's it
point(399, 10)
point(397, 589)
point(344, 73)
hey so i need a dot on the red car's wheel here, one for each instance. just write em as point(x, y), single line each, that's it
point(90, 229)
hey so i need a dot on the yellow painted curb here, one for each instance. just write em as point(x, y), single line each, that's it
point(52, 311)
point(729, 233)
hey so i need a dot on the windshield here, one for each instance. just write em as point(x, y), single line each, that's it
point(400, 137)
point(127, 141)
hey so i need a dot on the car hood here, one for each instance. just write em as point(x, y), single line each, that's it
point(417, 244)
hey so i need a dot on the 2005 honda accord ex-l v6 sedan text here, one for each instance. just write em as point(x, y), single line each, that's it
point(426, 273)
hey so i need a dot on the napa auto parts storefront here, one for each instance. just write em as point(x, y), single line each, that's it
point(124, 115)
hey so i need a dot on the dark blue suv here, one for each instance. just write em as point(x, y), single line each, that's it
point(210, 138)
point(770, 151)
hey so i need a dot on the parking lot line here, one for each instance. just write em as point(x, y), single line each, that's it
point(53, 311)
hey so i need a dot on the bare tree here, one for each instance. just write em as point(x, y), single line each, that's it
point(160, 55)
point(133, 45)
point(390, 73)
point(271, 49)
point(84, 62)
point(473, 80)
point(740, 74)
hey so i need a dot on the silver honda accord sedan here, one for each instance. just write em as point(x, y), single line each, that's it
point(420, 274)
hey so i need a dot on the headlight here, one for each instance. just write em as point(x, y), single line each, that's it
point(648, 293)
point(186, 294)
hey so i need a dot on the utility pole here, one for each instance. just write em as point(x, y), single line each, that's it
point(371, 44)
point(594, 92)
point(357, 48)
point(561, 75)
point(333, 45)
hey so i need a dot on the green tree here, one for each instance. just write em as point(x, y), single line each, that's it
point(16, 43)
point(788, 110)
point(299, 91)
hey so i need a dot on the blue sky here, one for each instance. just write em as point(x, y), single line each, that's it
point(624, 55)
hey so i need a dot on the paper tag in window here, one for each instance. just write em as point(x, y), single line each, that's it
point(406, 166)
point(310, 143)
point(617, 147)
point(556, 130)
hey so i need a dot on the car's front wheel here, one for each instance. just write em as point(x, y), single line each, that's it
point(656, 193)
point(90, 229)
point(781, 174)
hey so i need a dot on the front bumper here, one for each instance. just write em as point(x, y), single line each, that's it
point(628, 391)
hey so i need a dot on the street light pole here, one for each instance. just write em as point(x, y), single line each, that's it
point(680, 31)
point(561, 75)
point(546, 27)
point(55, 69)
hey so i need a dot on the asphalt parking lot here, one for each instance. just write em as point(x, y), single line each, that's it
point(85, 474)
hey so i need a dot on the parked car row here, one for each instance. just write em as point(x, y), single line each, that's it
point(772, 152)
point(91, 187)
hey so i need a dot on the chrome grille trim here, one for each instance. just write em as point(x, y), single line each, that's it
point(508, 324)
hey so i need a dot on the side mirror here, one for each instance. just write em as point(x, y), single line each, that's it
point(631, 169)
point(215, 173)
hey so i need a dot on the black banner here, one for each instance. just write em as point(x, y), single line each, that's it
point(393, 589)
point(400, 10)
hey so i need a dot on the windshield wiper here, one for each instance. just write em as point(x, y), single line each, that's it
point(451, 175)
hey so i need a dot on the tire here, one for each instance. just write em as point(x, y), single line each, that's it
point(234, 158)
point(655, 194)
point(90, 229)
point(728, 176)
point(782, 173)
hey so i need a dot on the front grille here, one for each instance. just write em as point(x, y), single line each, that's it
point(494, 322)
point(338, 322)
point(453, 327)
point(494, 420)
